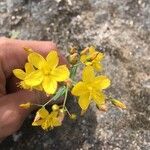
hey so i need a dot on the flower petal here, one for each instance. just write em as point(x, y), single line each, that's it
point(84, 101)
point(45, 125)
point(36, 60)
point(49, 85)
point(38, 122)
point(29, 68)
point(24, 86)
point(34, 78)
point(101, 82)
point(42, 113)
point(79, 89)
point(97, 66)
point(39, 87)
point(100, 56)
point(56, 122)
point(98, 98)
point(61, 73)
point(92, 50)
point(88, 74)
point(52, 59)
point(83, 58)
point(20, 74)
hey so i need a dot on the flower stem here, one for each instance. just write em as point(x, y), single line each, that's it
point(37, 105)
point(78, 64)
point(48, 102)
point(66, 93)
point(67, 111)
point(59, 93)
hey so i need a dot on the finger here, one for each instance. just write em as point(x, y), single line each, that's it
point(12, 116)
point(13, 56)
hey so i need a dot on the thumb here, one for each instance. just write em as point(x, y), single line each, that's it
point(12, 116)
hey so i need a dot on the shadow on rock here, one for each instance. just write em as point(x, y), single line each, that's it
point(71, 135)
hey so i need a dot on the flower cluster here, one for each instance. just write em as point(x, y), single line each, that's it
point(42, 74)
point(46, 75)
point(48, 120)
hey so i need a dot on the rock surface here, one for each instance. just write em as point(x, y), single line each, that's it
point(119, 28)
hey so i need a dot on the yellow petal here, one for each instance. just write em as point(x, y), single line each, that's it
point(40, 117)
point(52, 59)
point(100, 56)
point(97, 66)
point(88, 63)
point(24, 86)
point(98, 98)
point(92, 50)
point(42, 113)
point(49, 85)
point(61, 73)
point(26, 105)
point(20, 74)
point(36, 60)
point(83, 58)
point(34, 78)
point(38, 122)
point(88, 74)
point(45, 125)
point(38, 87)
point(56, 122)
point(84, 101)
point(29, 68)
point(53, 114)
point(79, 89)
point(101, 82)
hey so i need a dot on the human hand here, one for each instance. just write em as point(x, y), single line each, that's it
point(13, 56)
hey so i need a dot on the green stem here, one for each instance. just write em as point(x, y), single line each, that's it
point(60, 93)
point(67, 111)
point(37, 105)
point(49, 101)
point(78, 64)
point(65, 99)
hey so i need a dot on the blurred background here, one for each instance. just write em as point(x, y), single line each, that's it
point(120, 29)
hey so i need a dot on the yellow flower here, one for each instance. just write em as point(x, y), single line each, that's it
point(90, 88)
point(91, 57)
point(26, 105)
point(48, 72)
point(20, 74)
point(47, 120)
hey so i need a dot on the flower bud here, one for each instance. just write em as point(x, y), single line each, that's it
point(118, 104)
point(26, 105)
point(73, 50)
point(62, 110)
point(68, 83)
point(55, 107)
point(102, 108)
point(29, 50)
point(94, 55)
point(82, 112)
point(73, 116)
point(84, 51)
point(73, 58)
point(61, 115)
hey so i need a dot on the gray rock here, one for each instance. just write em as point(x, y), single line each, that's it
point(119, 28)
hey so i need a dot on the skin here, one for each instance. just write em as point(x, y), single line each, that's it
point(13, 56)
